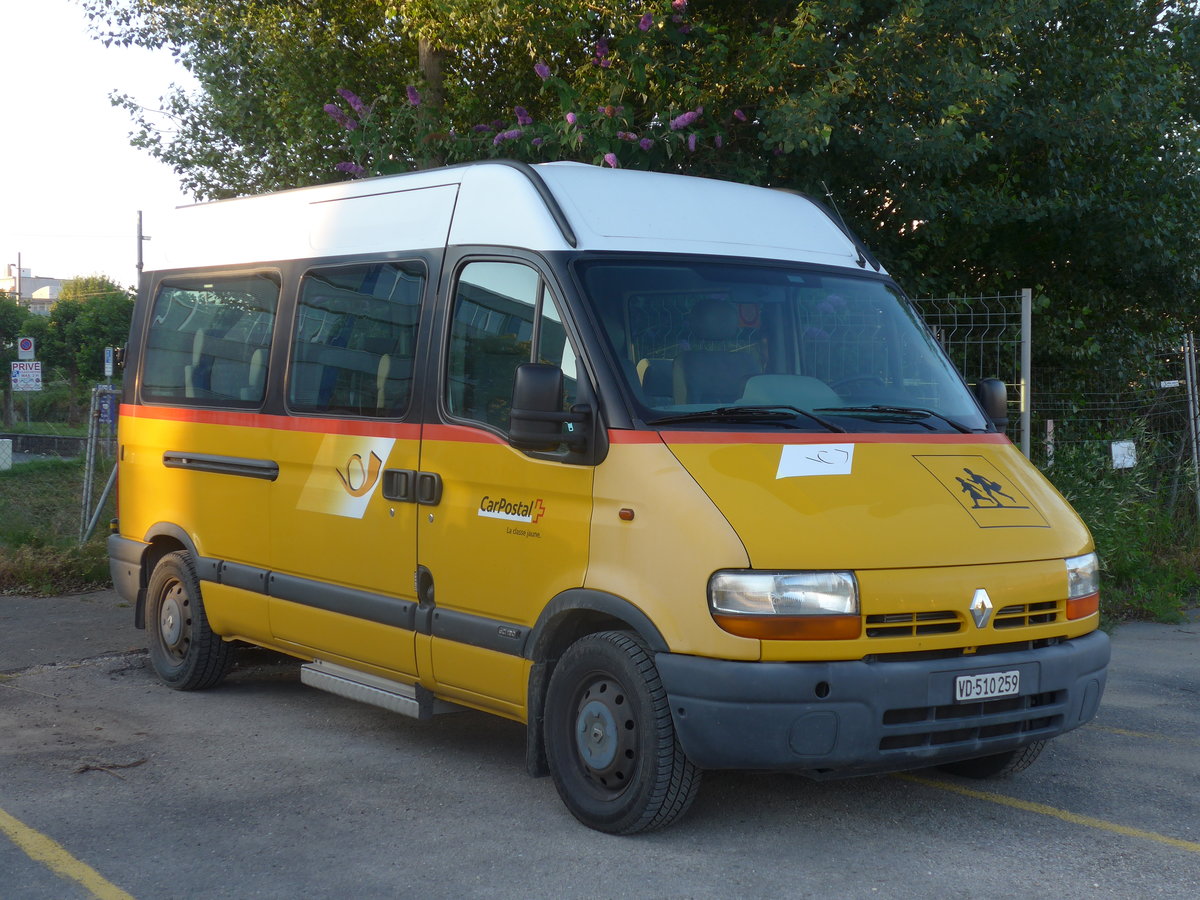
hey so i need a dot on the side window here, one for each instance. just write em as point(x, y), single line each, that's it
point(554, 348)
point(355, 339)
point(500, 310)
point(210, 340)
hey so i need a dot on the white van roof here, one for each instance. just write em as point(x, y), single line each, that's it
point(547, 207)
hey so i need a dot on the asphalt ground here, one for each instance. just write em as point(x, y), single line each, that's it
point(114, 786)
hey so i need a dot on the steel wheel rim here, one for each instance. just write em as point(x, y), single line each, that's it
point(174, 624)
point(605, 736)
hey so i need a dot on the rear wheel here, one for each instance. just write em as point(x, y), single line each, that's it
point(998, 766)
point(183, 649)
point(610, 741)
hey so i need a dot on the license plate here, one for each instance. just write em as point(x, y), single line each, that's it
point(988, 686)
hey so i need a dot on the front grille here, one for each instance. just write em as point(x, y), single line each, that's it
point(969, 723)
point(1020, 615)
point(961, 652)
point(893, 625)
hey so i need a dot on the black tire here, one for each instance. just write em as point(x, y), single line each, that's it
point(610, 741)
point(1001, 765)
point(183, 649)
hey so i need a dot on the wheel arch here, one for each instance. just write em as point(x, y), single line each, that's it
point(161, 538)
point(571, 615)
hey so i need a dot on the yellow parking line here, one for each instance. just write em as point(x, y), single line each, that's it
point(1043, 809)
point(1143, 735)
point(51, 854)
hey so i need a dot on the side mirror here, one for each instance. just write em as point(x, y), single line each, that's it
point(536, 417)
point(992, 394)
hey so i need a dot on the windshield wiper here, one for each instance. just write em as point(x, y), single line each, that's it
point(773, 413)
point(902, 411)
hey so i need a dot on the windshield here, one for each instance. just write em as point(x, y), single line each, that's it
point(717, 343)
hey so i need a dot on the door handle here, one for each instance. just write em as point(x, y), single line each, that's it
point(409, 486)
point(400, 485)
point(429, 488)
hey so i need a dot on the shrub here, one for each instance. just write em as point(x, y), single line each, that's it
point(1147, 549)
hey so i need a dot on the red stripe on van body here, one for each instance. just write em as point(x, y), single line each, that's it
point(616, 436)
point(825, 437)
point(461, 434)
point(464, 434)
point(360, 427)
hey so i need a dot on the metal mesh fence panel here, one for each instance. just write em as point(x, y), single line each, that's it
point(984, 337)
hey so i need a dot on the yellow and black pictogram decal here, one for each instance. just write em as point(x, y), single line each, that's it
point(986, 493)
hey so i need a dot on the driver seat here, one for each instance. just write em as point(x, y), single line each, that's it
point(713, 375)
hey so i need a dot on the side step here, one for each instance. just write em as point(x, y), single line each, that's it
point(406, 699)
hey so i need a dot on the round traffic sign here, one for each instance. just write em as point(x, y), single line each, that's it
point(25, 344)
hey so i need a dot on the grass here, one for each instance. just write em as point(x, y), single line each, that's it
point(54, 428)
point(40, 553)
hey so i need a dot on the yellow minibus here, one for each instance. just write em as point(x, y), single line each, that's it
point(665, 468)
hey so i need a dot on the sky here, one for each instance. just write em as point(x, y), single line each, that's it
point(70, 183)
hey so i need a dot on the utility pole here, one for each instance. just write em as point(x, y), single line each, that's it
point(141, 239)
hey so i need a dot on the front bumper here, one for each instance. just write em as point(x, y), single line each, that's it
point(837, 719)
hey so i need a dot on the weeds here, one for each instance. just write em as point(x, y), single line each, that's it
point(39, 530)
point(1150, 564)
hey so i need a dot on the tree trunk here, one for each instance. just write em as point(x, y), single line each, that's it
point(432, 61)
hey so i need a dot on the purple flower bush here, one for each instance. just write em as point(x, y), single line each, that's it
point(338, 115)
point(613, 113)
point(355, 103)
point(683, 121)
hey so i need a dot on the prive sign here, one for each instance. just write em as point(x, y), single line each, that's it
point(27, 375)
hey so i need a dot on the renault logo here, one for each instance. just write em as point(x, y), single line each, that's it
point(981, 608)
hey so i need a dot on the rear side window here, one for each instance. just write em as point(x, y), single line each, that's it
point(210, 340)
point(355, 339)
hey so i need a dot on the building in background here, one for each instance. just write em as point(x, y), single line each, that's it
point(37, 294)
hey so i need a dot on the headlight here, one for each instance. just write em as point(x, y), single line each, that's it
point(786, 605)
point(1083, 586)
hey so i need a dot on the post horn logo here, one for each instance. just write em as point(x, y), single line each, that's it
point(359, 477)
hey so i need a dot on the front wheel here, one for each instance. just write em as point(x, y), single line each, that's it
point(999, 765)
point(610, 741)
point(183, 649)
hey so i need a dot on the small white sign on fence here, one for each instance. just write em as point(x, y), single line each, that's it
point(1124, 454)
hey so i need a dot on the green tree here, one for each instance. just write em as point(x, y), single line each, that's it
point(12, 317)
point(12, 320)
point(92, 313)
point(264, 71)
point(975, 146)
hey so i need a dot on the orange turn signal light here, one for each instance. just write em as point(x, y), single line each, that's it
point(1081, 607)
point(792, 628)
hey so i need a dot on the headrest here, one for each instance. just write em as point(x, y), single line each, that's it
point(714, 320)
